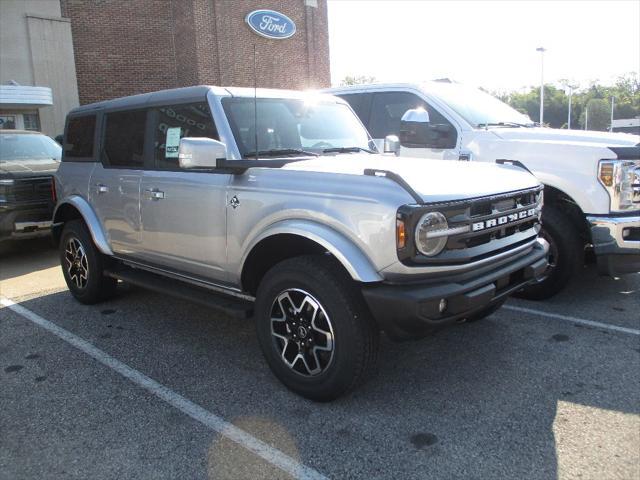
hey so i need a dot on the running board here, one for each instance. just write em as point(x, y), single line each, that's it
point(234, 307)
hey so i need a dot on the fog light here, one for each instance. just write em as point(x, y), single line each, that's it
point(442, 306)
point(626, 232)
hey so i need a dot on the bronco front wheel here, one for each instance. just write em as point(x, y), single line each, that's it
point(314, 329)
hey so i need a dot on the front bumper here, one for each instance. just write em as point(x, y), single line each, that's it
point(616, 243)
point(406, 311)
point(25, 221)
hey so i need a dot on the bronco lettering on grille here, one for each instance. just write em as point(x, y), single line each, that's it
point(504, 220)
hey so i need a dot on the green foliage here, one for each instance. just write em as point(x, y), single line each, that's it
point(626, 91)
point(356, 80)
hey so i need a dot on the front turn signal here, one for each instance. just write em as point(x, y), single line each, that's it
point(401, 235)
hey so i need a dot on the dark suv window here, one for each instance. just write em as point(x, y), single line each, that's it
point(78, 144)
point(124, 139)
point(173, 122)
point(387, 110)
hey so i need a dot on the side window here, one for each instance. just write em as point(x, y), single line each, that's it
point(78, 143)
point(174, 122)
point(124, 139)
point(388, 108)
point(361, 104)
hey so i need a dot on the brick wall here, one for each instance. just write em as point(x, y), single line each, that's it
point(124, 47)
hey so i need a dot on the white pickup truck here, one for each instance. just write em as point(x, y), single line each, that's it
point(592, 179)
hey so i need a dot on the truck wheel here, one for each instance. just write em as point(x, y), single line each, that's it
point(83, 265)
point(315, 330)
point(566, 255)
point(486, 312)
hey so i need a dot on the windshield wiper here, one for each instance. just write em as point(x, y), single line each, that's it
point(506, 124)
point(346, 150)
point(276, 152)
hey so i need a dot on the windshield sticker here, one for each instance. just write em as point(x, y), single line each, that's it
point(172, 143)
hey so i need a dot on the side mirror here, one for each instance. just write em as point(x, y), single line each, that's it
point(195, 152)
point(414, 128)
point(392, 144)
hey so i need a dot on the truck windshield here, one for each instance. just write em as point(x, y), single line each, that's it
point(24, 146)
point(290, 125)
point(477, 107)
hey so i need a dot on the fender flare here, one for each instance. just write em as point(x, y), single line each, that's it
point(90, 219)
point(344, 250)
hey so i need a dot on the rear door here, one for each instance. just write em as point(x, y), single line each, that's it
point(183, 212)
point(114, 188)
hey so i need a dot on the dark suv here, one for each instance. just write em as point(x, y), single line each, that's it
point(28, 161)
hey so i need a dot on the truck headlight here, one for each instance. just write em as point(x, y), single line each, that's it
point(431, 233)
point(621, 179)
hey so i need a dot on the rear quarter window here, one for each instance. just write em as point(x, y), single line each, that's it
point(79, 139)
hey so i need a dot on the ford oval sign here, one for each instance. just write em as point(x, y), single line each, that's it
point(271, 24)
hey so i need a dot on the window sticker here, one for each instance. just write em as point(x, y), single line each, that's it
point(173, 142)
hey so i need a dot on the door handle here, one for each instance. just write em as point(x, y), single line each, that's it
point(101, 188)
point(154, 194)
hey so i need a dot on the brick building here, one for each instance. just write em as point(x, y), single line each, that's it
point(125, 47)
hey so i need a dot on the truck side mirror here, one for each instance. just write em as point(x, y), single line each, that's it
point(414, 128)
point(200, 152)
point(392, 144)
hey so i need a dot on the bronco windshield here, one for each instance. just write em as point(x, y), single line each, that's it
point(477, 107)
point(25, 146)
point(292, 124)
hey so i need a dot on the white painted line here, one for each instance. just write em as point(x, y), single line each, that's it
point(567, 318)
point(214, 422)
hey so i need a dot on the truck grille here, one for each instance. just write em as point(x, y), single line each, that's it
point(30, 190)
point(483, 227)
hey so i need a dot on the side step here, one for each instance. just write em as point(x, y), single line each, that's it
point(234, 307)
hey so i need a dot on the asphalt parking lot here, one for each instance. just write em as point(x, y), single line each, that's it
point(146, 386)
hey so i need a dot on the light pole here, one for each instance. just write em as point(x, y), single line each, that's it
point(571, 88)
point(613, 101)
point(541, 50)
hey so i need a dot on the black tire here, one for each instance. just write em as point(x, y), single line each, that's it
point(566, 255)
point(341, 315)
point(494, 307)
point(83, 265)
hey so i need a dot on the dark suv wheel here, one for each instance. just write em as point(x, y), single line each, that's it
point(314, 329)
point(83, 265)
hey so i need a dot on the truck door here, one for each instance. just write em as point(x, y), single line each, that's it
point(388, 108)
point(183, 212)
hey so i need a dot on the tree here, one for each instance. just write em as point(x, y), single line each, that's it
point(356, 80)
point(599, 115)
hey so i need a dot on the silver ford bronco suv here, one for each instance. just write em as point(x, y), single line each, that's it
point(276, 205)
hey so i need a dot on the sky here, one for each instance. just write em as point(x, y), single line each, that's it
point(491, 44)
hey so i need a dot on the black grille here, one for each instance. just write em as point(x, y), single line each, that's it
point(31, 190)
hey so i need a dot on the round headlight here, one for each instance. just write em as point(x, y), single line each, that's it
point(430, 238)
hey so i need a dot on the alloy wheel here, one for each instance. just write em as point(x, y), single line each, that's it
point(302, 332)
point(76, 262)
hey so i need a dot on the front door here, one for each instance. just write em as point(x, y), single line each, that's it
point(183, 212)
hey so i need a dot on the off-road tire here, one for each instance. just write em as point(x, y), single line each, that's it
point(93, 287)
point(355, 334)
point(566, 253)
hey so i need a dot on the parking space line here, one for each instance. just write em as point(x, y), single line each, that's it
point(568, 318)
point(214, 422)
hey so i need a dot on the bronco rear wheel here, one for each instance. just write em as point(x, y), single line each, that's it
point(314, 328)
point(83, 265)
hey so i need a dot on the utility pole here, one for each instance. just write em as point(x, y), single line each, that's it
point(541, 50)
point(613, 101)
point(586, 115)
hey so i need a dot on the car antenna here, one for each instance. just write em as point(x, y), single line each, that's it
point(255, 100)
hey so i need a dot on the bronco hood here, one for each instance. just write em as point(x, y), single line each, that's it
point(435, 180)
point(600, 139)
